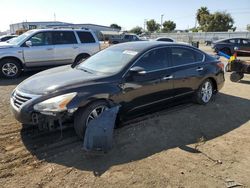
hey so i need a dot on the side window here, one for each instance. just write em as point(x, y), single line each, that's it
point(64, 37)
point(85, 37)
point(41, 39)
point(245, 42)
point(183, 56)
point(154, 60)
point(126, 37)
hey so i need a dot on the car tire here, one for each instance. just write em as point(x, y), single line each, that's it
point(82, 116)
point(226, 51)
point(205, 92)
point(10, 68)
point(235, 76)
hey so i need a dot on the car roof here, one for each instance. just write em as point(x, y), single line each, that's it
point(222, 40)
point(140, 46)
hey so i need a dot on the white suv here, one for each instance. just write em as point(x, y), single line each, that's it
point(37, 49)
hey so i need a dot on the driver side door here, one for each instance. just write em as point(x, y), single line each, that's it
point(41, 52)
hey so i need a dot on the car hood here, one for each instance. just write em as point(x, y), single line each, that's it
point(6, 45)
point(60, 78)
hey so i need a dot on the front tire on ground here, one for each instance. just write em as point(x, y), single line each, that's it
point(205, 92)
point(10, 68)
point(84, 115)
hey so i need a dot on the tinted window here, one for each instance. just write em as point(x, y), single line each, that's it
point(182, 56)
point(64, 37)
point(85, 37)
point(154, 60)
point(245, 41)
point(126, 37)
point(41, 39)
point(234, 41)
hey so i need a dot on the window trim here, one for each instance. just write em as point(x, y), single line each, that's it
point(171, 66)
point(24, 43)
point(76, 39)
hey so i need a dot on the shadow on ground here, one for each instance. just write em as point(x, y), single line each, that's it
point(137, 141)
point(16, 81)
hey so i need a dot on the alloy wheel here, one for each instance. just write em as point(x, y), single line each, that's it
point(95, 113)
point(206, 91)
point(9, 69)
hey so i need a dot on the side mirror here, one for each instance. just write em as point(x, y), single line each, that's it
point(138, 70)
point(28, 43)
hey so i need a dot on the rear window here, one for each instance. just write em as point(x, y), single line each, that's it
point(64, 37)
point(183, 56)
point(85, 37)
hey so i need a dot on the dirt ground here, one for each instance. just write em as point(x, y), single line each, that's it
point(185, 146)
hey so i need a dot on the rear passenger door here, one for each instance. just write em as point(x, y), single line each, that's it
point(66, 47)
point(245, 44)
point(188, 69)
point(88, 43)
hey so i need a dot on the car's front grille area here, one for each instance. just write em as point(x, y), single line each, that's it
point(19, 99)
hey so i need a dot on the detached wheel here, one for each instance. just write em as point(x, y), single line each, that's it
point(10, 68)
point(205, 92)
point(235, 76)
point(84, 115)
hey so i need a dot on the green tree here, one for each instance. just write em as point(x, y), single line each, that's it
point(152, 26)
point(219, 21)
point(137, 30)
point(115, 26)
point(168, 26)
point(201, 15)
point(248, 27)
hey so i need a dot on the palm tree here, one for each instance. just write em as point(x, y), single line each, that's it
point(201, 12)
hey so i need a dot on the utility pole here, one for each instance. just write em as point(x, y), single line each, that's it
point(145, 22)
point(162, 20)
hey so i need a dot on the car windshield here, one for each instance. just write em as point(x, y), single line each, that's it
point(108, 61)
point(19, 39)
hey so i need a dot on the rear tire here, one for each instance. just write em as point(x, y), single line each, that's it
point(82, 116)
point(205, 92)
point(10, 68)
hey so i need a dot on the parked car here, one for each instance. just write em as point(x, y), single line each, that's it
point(125, 38)
point(135, 75)
point(165, 39)
point(228, 45)
point(43, 48)
point(6, 37)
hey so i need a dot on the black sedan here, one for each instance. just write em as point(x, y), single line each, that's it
point(135, 75)
point(229, 45)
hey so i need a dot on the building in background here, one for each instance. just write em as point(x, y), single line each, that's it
point(19, 28)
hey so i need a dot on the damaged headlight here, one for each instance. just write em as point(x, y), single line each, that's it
point(55, 104)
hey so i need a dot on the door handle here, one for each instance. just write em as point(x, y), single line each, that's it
point(75, 47)
point(167, 77)
point(49, 48)
point(200, 69)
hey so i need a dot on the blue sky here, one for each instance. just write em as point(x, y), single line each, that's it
point(127, 13)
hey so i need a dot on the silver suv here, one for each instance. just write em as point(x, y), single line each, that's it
point(42, 48)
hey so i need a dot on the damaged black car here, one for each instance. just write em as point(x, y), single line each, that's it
point(135, 75)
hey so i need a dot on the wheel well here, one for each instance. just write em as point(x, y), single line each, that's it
point(214, 83)
point(83, 55)
point(15, 58)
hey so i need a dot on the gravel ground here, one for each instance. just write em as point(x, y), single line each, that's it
point(185, 146)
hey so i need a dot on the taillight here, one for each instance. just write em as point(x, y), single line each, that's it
point(220, 65)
